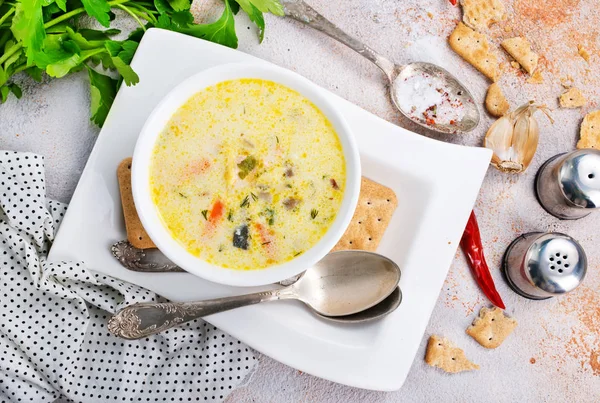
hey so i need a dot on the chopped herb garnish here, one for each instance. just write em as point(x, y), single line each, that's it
point(204, 214)
point(287, 185)
point(270, 213)
point(299, 253)
point(245, 202)
point(221, 247)
point(246, 166)
point(230, 216)
point(277, 138)
point(324, 176)
point(182, 195)
point(314, 213)
point(266, 243)
point(254, 197)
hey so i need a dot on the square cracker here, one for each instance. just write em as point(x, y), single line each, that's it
point(479, 14)
point(136, 234)
point(475, 49)
point(374, 210)
point(492, 327)
point(495, 101)
point(572, 98)
point(443, 354)
point(520, 50)
point(589, 135)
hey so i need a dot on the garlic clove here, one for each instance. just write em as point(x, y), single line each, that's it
point(499, 138)
point(514, 138)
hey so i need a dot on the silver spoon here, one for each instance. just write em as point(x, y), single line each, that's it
point(342, 283)
point(154, 261)
point(396, 74)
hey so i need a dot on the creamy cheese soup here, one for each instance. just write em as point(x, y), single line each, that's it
point(248, 174)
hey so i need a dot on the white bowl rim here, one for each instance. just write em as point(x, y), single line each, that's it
point(148, 212)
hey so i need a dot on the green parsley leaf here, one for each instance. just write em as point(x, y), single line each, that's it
point(4, 91)
point(35, 73)
point(103, 91)
point(121, 54)
point(256, 16)
point(59, 57)
point(28, 27)
point(266, 6)
point(162, 6)
point(99, 9)
point(16, 90)
point(182, 19)
point(204, 214)
point(62, 4)
point(180, 5)
point(246, 166)
point(3, 77)
point(95, 35)
point(221, 31)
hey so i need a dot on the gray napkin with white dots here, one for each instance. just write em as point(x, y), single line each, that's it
point(54, 343)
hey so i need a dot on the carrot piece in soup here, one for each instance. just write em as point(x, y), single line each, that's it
point(214, 218)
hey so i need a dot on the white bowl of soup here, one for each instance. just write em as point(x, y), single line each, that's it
point(245, 175)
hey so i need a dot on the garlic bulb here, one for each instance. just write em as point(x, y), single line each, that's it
point(514, 138)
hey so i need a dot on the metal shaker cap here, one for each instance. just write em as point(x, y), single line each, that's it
point(555, 264)
point(579, 178)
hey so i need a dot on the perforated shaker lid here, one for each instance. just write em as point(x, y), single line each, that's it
point(556, 263)
point(579, 177)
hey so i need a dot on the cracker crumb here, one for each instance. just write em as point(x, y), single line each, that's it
point(491, 327)
point(480, 14)
point(495, 101)
point(443, 354)
point(475, 49)
point(520, 50)
point(516, 65)
point(589, 134)
point(536, 78)
point(583, 53)
point(573, 98)
point(430, 15)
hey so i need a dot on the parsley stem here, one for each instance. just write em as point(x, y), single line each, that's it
point(4, 38)
point(5, 16)
point(132, 14)
point(79, 10)
point(11, 51)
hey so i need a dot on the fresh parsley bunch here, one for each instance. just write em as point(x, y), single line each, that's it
point(39, 36)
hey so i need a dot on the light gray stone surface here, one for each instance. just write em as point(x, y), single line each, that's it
point(553, 353)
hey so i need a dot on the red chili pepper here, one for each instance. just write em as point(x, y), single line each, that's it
point(453, 2)
point(472, 247)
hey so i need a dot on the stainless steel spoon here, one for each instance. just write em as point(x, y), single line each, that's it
point(300, 11)
point(154, 261)
point(342, 283)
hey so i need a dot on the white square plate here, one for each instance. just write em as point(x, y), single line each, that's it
point(436, 183)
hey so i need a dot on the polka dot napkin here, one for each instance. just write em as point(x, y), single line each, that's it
point(54, 343)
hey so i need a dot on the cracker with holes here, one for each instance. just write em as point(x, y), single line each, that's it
point(376, 205)
point(520, 50)
point(492, 327)
point(136, 234)
point(443, 354)
point(475, 49)
point(495, 101)
point(572, 98)
point(589, 135)
point(480, 14)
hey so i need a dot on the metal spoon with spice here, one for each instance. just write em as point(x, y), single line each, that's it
point(423, 92)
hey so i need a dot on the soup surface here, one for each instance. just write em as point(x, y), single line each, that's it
point(247, 174)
